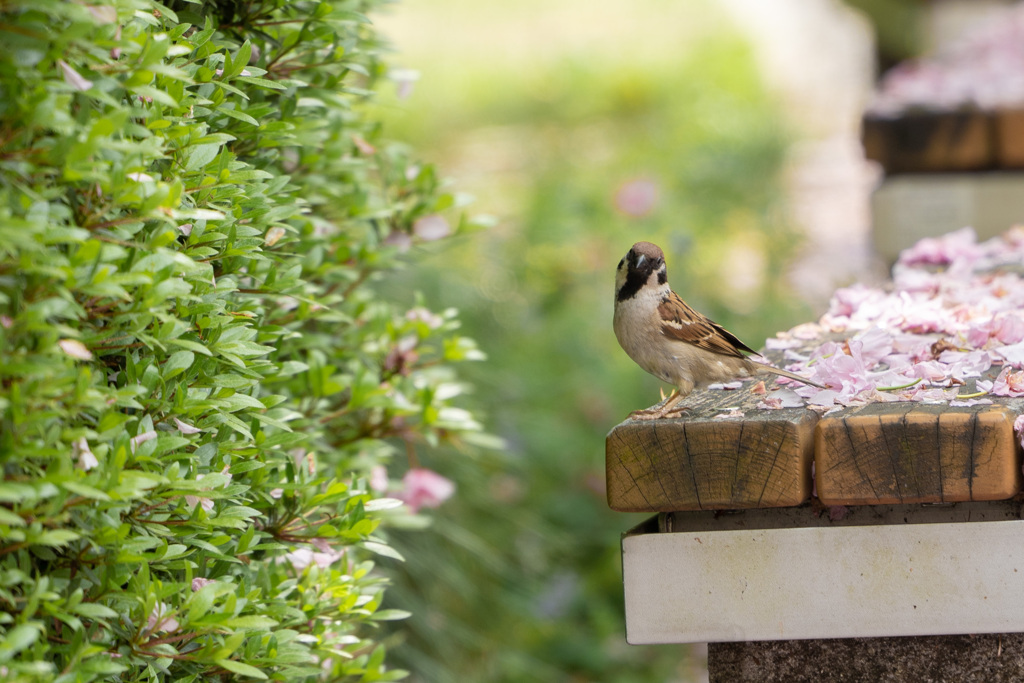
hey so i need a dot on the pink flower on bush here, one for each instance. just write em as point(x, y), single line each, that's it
point(379, 478)
point(425, 488)
point(199, 582)
point(323, 557)
point(207, 503)
point(637, 197)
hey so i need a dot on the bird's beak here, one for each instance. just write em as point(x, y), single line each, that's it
point(640, 259)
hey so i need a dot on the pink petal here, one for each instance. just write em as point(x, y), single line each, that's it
point(73, 78)
point(142, 438)
point(1018, 427)
point(104, 14)
point(85, 459)
point(400, 240)
point(75, 349)
point(192, 501)
point(158, 621)
point(1013, 354)
point(379, 478)
point(185, 427)
point(430, 228)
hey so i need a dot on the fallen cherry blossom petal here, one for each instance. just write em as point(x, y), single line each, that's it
point(770, 403)
point(960, 244)
point(1013, 354)
point(1008, 383)
point(824, 397)
point(1018, 428)
point(969, 402)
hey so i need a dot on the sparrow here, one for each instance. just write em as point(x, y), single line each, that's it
point(670, 340)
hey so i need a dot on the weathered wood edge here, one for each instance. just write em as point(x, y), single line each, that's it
point(626, 475)
point(842, 434)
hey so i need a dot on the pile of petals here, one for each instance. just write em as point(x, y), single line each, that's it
point(949, 330)
point(985, 68)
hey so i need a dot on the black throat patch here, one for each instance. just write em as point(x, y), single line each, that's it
point(634, 283)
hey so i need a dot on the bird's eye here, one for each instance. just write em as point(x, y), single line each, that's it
point(621, 261)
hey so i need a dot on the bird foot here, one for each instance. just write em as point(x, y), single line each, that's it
point(658, 413)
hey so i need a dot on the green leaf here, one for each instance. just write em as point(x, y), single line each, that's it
point(383, 550)
point(177, 363)
point(94, 610)
point(17, 639)
point(251, 621)
point(261, 82)
point(241, 669)
point(84, 490)
point(56, 537)
point(390, 615)
point(200, 156)
point(190, 345)
point(238, 116)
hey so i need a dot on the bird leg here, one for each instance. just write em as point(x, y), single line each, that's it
point(666, 408)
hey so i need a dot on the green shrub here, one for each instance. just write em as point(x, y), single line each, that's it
point(198, 379)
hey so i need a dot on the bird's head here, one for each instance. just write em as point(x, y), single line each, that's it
point(642, 266)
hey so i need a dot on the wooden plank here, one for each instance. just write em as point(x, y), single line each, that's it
point(790, 573)
point(699, 462)
point(908, 452)
point(922, 142)
point(1010, 137)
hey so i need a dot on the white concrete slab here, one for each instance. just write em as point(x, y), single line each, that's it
point(824, 582)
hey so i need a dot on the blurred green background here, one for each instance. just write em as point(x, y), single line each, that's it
point(582, 127)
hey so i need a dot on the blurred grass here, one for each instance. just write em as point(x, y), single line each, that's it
point(544, 112)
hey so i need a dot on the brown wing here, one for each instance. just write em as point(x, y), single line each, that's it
point(680, 322)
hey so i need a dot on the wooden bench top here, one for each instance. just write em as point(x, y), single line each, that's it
point(730, 451)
